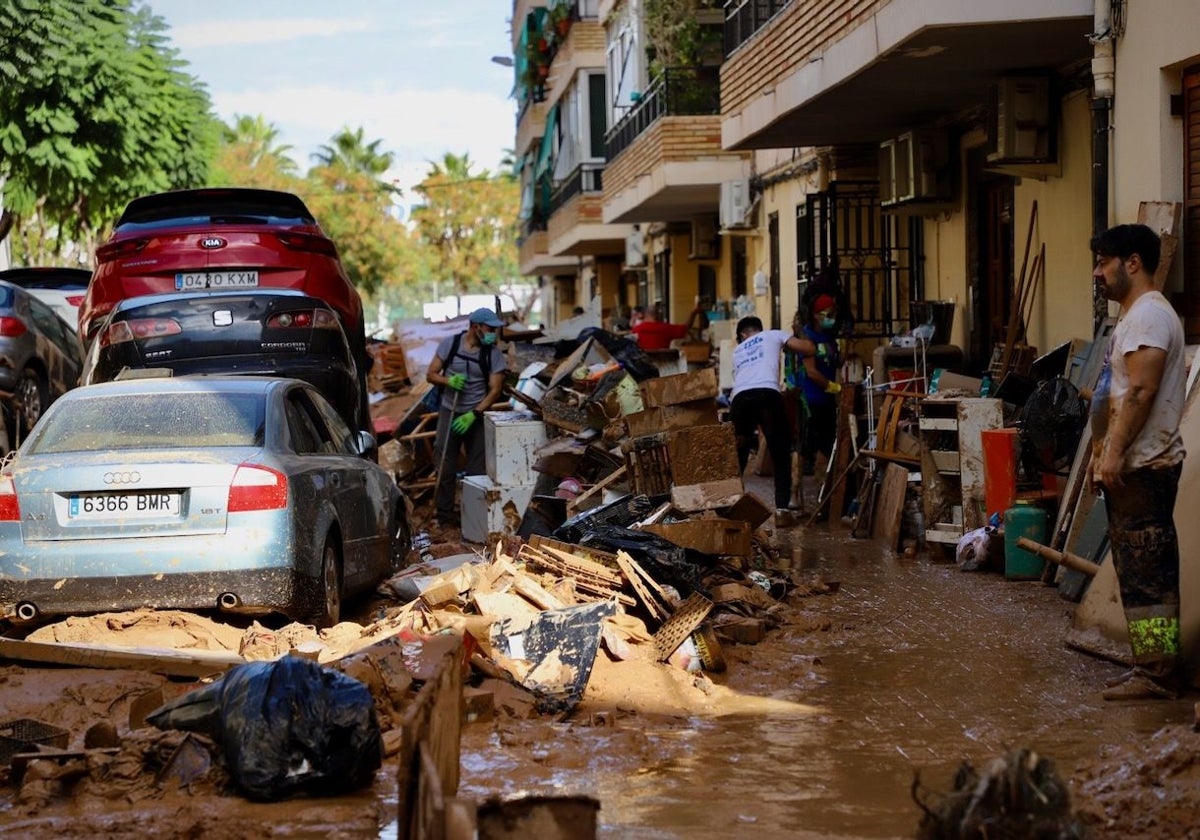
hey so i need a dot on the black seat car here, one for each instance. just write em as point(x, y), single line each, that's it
point(267, 333)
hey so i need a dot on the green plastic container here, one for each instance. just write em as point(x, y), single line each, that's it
point(1023, 519)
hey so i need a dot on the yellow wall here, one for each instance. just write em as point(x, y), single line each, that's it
point(1062, 309)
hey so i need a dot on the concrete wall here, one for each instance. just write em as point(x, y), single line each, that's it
point(1161, 38)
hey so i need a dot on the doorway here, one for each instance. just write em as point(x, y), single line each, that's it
point(990, 249)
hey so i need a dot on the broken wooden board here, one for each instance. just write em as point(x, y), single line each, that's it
point(890, 506)
point(682, 623)
point(503, 604)
point(634, 575)
point(170, 663)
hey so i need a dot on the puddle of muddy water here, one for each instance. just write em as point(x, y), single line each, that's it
point(924, 666)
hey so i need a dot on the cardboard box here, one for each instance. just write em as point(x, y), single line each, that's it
point(711, 536)
point(680, 388)
point(966, 385)
point(748, 509)
point(669, 418)
point(697, 466)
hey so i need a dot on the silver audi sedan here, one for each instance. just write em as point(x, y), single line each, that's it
point(237, 493)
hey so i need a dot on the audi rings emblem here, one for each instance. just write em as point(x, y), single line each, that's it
point(122, 477)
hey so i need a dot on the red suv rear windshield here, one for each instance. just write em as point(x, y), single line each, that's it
point(213, 208)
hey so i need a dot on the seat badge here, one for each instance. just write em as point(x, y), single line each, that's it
point(222, 317)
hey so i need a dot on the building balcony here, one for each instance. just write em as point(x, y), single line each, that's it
point(531, 125)
point(665, 161)
point(822, 72)
point(533, 250)
point(581, 49)
point(576, 226)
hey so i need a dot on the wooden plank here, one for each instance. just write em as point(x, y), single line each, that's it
point(627, 564)
point(428, 761)
point(576, 504)
point(890, 511)
point(171, 663)
point(843, 456)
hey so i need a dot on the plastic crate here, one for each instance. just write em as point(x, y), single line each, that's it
point(26, 735)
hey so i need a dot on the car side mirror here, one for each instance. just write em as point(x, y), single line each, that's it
point(364, 443)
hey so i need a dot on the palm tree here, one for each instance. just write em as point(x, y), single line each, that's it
point(261, 139)
point(350, 151)
point(455, 168)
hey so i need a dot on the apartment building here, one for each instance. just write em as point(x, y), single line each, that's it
point(924, 150)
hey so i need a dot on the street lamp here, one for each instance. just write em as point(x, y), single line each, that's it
point(503, 60)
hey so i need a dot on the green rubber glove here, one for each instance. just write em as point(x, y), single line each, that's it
point(833, 388)
point(463, 422)
point(456, 381)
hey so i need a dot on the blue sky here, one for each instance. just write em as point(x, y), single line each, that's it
point(416, 75)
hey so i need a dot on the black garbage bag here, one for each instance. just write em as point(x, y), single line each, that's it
point(625, 351)
point(286, 728)
point(623, 511)
point(662, 559)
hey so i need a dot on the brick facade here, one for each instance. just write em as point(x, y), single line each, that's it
point(669, 140)
point(800, 31)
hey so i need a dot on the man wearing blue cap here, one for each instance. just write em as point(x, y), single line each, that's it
point(469, 368)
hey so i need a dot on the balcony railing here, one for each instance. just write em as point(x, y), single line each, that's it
point(745, 17)
point(677, 91)
point(534, 224)
point(584, 179)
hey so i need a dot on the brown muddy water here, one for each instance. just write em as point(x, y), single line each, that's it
point(911, 667)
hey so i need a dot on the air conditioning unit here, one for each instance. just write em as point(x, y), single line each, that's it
point(736, 204)
point(704, 237)
point(1020, 128)
point(635, 248)
point(913, 167)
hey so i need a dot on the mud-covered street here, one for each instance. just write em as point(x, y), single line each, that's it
point(912, 667)
point(896, 667)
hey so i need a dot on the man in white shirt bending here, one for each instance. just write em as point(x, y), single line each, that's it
point(757, 403)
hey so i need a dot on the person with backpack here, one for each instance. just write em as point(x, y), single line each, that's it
point(469, 369)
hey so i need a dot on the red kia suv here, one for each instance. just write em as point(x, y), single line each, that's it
point(220, 239)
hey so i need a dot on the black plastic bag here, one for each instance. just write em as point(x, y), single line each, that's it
point(286, 727)
point(625, 350)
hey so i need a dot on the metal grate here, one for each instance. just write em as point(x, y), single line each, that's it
point(878, 256)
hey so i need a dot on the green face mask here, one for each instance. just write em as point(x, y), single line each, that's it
point(828, 323)
point(488, 339)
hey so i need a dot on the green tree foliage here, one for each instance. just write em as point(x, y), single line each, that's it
point(470, 223)
point(261, 140)
point(95, 109)
point(350, 152)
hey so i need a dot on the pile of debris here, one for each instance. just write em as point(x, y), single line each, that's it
point(629, 578)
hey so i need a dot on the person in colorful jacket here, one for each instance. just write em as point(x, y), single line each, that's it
point(818, 379)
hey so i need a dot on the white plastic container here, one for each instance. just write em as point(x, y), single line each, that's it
point(490, 508)
point(511, 440)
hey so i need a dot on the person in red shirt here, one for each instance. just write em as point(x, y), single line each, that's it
point(653, 334)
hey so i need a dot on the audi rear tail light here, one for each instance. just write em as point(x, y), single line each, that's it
point(255, 487)
point(116, 250)
point(138, 329)
point(318, 319)
point(10, 508)
point(11, 327)
point(308, 242)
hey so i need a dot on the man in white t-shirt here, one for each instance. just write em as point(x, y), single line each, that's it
point(1138, 455)
point(757, 402)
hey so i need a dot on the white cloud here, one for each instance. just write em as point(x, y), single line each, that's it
point(260, 31)
point(416, 125)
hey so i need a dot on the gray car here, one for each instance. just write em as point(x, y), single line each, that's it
point(239, 493)
point(40, 358)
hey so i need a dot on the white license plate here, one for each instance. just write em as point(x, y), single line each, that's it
point(117, 505)
point(189, 281)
